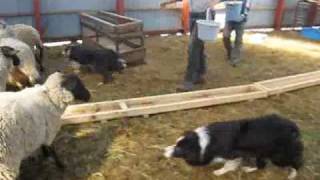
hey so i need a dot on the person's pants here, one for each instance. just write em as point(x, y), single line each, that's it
point(233, 51)
point(197, 65)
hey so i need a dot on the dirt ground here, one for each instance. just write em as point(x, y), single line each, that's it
point(132, 149)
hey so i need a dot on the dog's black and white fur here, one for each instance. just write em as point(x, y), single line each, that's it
point(102, 61)
point(270, 137)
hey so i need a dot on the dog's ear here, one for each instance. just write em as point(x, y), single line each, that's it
point(188, 134)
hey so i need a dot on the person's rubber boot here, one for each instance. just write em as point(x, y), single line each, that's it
point(201, 80)
point(228, 47)
point(185, 87)
point(235, 57)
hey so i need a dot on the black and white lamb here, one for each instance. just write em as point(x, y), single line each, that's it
point(8, 59)
point(30, 119)
point(102, 61)
point(28, 63)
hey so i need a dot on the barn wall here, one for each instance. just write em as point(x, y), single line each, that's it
point(261, 15)
point(60, 19)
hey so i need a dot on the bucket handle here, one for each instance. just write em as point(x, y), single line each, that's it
point(209, 15)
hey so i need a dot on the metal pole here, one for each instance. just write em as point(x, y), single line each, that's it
point(37, 15)
point(279, 14)
point(120, 7)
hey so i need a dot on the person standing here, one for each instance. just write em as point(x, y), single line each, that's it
point(197, 65)
point(234, 50)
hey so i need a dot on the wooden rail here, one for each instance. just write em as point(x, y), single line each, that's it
point(144, 106)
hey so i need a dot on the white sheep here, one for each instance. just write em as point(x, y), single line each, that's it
point(8, 59)
point(30, 118)
point(28, 63)
point(30, 36)
point(26, 34)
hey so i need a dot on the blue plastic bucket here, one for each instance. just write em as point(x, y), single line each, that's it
point(208, 29)
point(233, 11)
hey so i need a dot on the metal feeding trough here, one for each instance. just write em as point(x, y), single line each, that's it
point(108, 30)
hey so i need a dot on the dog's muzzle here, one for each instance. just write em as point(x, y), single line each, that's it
point(169, 151)
point(123, 62)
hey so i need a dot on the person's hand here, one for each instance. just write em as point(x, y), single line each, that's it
point(163, 5)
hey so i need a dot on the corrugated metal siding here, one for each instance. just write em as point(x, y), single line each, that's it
point(48, 6)
point(157, 20)
point(261, 15)
point(16, 6)
point(60, 18)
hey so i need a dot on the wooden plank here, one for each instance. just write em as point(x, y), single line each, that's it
point(94, 19)
point(294, 86)
point(159, 99)
point(188, 100)
point(155, 109)
point(106, 13)
point(128, 27)
point(123, 105)
point(290, 79)
point(260, 87)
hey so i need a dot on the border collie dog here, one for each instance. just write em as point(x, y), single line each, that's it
point(270, 137)
point(102, 61)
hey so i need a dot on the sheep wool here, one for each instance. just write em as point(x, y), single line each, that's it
point(28, 119)
point(5, 65)
point(28, 63)
point(26, 34)
point(5, 32)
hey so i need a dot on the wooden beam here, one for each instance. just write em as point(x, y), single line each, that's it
point(181, 101)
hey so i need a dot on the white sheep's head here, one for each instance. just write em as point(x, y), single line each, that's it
point(16, 78)
point(29, 66)
point(67, 87)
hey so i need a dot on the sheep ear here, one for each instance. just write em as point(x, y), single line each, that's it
point(8, 51)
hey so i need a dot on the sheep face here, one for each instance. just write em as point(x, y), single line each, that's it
point(18, 80)
point(73, 84)
point(28, 63)
point(29, 66)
